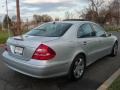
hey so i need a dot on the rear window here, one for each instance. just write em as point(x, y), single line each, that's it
point(50, 30)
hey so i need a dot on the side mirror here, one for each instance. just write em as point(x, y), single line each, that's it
point(109, 34)
point(104, 35)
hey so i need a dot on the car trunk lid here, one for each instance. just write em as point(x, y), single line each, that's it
point(23, 47)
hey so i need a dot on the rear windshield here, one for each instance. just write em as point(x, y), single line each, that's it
point(50, 30)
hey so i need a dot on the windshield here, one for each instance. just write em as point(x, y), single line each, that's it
point(50, 30)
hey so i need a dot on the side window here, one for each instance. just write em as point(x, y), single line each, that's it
point(99, 30)
point(85, 31)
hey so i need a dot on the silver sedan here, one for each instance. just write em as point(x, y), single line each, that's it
point(59, 48)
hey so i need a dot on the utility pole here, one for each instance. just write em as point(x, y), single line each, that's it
point(118, 13)
point(8, 27)
point(18, 18)
point(27, 23)
point(2, 20)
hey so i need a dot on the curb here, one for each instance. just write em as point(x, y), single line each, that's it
point(108, 82)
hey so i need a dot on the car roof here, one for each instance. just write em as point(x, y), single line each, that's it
point(73, 22)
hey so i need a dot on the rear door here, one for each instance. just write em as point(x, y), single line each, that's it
point(88, 42)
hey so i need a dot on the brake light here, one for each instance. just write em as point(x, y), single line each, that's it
point(43, 52)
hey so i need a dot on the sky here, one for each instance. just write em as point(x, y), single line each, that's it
point(54, 8)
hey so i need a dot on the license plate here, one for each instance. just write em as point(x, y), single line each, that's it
point(18, 50)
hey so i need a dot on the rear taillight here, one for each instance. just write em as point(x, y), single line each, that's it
point(43, 52)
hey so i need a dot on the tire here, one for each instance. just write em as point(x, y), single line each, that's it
point(77, 68)
point(114, 50)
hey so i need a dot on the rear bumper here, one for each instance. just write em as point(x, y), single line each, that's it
point(38, 69)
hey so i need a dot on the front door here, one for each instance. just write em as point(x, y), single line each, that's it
point(105, 47)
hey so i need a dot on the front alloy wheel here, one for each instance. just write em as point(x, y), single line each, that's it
point(115, 50)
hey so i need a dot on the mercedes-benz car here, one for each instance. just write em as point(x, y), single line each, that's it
point(59, 48)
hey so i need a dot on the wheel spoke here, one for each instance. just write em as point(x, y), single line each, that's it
point(80, 61)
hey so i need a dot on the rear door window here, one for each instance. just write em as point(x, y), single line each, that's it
point(85, 31)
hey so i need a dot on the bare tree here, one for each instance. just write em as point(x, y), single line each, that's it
point(42, 18)
point(46, 18)
point(101, 12)
point(92, 11)
point(57, 19)
point(115, 8)
point(69, 15)
point(96, 4)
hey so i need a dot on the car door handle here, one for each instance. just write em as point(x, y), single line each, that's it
point(84, 43)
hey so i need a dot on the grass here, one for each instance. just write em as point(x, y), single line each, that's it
point(115, 85)
point(3, 36)
point(112, 29)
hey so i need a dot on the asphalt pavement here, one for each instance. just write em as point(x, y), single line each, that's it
point(94, 76)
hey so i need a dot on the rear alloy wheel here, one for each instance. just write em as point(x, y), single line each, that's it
point(114, 50)
point(77, 68)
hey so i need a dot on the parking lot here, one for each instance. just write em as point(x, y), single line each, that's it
point(94, 76)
